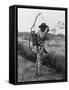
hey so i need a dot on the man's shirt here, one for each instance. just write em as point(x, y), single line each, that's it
point(41, 36)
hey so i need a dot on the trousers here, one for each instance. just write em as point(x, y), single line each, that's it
point(39, 59)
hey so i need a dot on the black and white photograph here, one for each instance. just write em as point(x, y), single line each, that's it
point(41, 45)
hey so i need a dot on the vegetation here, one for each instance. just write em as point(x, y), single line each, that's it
point(53, 63)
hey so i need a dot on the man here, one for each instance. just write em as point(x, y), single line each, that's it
point(41, 37)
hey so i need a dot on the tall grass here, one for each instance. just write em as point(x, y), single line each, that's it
point(57, 62)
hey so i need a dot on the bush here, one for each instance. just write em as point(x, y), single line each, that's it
point(57, 62)
point(26, 52)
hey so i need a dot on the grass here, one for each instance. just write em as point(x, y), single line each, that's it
point(27, 71)
point(57, 62)
point(52, 61)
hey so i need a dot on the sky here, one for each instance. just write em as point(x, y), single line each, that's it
point(53, 18)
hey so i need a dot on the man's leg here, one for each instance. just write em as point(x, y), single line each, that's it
point(38, 64)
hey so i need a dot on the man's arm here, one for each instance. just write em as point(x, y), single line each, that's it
point(45, 33)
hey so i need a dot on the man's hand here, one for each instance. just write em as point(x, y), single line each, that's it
point(47, 29)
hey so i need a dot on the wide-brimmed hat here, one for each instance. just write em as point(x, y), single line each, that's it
point(43, 25)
